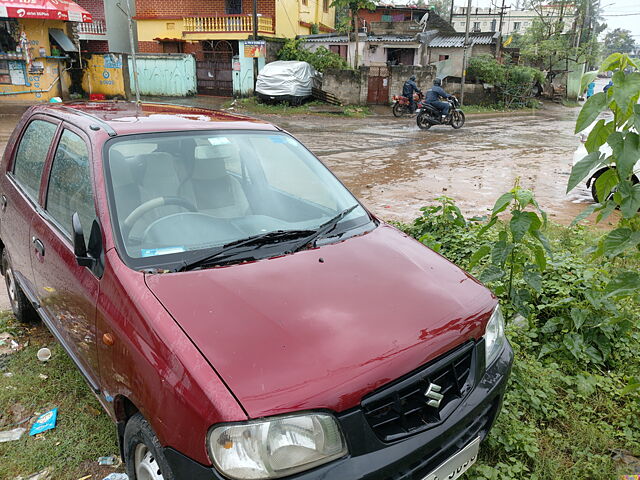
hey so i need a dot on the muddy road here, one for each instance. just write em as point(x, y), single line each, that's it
point(395, 168)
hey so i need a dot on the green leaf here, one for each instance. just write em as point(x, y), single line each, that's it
point(587, 78)
point(624, 284)
point(574, 343)
point(524, 196)
point(594, 355)
point(578, 316)
point(635, 119)
point(479, 254)
point(611, 62)
point(629, 155)
point(547, 348)
point(630, 203)
point(619, 240)
point(502, 203)
point(501, 250)
point(491, 223)
point(632, 386)
point(616, 141)
point(533, 278)
point(544, 241)
point(607, 209)
point(582, 168)
point(491, 274)
point(598, 135)
point(590, 110)
point(541, 258)
point(606, 182)
point(626, 86)
point(520, 224)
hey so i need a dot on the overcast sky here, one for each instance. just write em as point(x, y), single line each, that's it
point(617, 13)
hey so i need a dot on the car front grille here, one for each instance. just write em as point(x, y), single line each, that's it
point(402, 408)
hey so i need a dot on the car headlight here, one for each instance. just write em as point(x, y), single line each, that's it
point(494, 337)
point(275, 447)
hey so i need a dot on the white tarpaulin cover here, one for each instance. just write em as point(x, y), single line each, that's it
point(286, 78)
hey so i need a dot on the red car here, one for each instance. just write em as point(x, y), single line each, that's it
point(234, 308)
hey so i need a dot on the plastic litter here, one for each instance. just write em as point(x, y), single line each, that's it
point(85, 477)
point(116, 476)
point(110, 460)
point(11, 435)
point(44, 354)
point(44, 422)
point(7, 344)
point(41, 475)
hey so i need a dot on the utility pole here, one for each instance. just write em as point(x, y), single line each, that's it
point(464, 55)
point(134, 65)
point(451, 14)
point(255, 39)
point(499, 48)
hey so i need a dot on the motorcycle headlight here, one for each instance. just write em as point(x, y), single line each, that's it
point(494, 338)
point(275, 447)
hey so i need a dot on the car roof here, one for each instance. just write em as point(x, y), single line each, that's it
point(125, 118)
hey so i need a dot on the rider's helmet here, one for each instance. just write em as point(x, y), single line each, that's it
point(437, 81)
point(412, 77)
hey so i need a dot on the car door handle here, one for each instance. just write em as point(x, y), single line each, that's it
point(39, 246)
point(3, 202)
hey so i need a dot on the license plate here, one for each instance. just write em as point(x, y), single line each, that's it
point(456, 465)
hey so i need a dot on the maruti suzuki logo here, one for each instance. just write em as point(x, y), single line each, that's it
point(433, 395)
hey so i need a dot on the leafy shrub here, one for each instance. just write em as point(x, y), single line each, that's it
point(322, 59)
point(486, 69)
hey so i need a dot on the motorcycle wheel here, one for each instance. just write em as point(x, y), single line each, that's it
point(457, 119)
point(398, 110)
point(422, 122)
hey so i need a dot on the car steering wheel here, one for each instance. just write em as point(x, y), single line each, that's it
point(153, 204)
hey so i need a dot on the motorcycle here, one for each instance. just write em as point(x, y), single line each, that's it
point(400, 105)
point(428, 115)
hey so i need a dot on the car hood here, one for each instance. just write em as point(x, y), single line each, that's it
point(323, 327)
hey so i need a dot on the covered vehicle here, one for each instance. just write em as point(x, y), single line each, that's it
point(286, 81)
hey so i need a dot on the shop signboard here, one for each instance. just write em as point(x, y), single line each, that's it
point(255, 48)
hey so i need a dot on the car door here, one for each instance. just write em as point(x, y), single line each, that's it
point(20, 194)
point(67, 291)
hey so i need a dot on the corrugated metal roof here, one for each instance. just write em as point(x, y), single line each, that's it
point(458, 40)
point(391, 38)
point(332, 39)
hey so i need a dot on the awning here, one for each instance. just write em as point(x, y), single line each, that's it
point(62, 40)
point(45, 9)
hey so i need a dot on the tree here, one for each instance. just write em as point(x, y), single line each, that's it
point(619, 40)
point(354, 6)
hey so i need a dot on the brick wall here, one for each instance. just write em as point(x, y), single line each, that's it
point(94, 46)
point(195, 8)
point(94, 7)
point(149, 47)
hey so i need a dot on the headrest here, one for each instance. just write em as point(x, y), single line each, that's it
point(156, 167)
point(120, 169)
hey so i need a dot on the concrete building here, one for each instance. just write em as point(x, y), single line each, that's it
point(513, 21)
point(109, 31)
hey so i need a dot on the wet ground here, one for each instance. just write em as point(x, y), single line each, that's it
point(395, 168)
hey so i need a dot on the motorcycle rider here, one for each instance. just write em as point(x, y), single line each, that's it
point(408, 88)
point(434, 95)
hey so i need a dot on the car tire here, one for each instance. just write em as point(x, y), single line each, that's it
point(594, 192)
point(143, 454)
point(20, 304)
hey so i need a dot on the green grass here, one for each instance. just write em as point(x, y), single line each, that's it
point(251, 105)
point(495, 109)
point(84, 431)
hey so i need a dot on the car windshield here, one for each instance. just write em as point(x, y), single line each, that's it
point(173, 194)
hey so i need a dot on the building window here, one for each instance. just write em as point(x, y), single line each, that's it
point(493, 25)
point(325, 5)
point(443, 57)
point(340, 50)
point(453, 24)
point(476, 26)
point(233, 7)
point(5, 77)
point(305, 2)
point(516, 26)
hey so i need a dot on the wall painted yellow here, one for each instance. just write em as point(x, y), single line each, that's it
point(104, 75)
point(289, 14)
point(44, 86)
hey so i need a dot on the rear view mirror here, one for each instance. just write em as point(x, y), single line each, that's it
point(79, 245)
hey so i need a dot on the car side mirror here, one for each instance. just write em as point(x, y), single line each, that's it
point(79, 245)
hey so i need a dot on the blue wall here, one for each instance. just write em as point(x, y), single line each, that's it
point(165, 75)
point(243, 80)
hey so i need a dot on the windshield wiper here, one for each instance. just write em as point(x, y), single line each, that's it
point(275, 236)
point(323, 229)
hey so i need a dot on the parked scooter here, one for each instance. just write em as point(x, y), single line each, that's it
point(428, 115)
point(400, 105)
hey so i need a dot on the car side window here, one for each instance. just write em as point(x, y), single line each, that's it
point(32, 154)
point(70, 188)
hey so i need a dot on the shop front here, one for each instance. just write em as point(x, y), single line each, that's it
point(38, 59)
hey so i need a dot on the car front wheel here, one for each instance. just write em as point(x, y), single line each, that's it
point(143, 452)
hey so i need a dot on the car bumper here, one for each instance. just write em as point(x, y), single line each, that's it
point(411, 458)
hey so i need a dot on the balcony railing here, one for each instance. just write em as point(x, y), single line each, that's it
point(98, 27)
point(227, 23)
